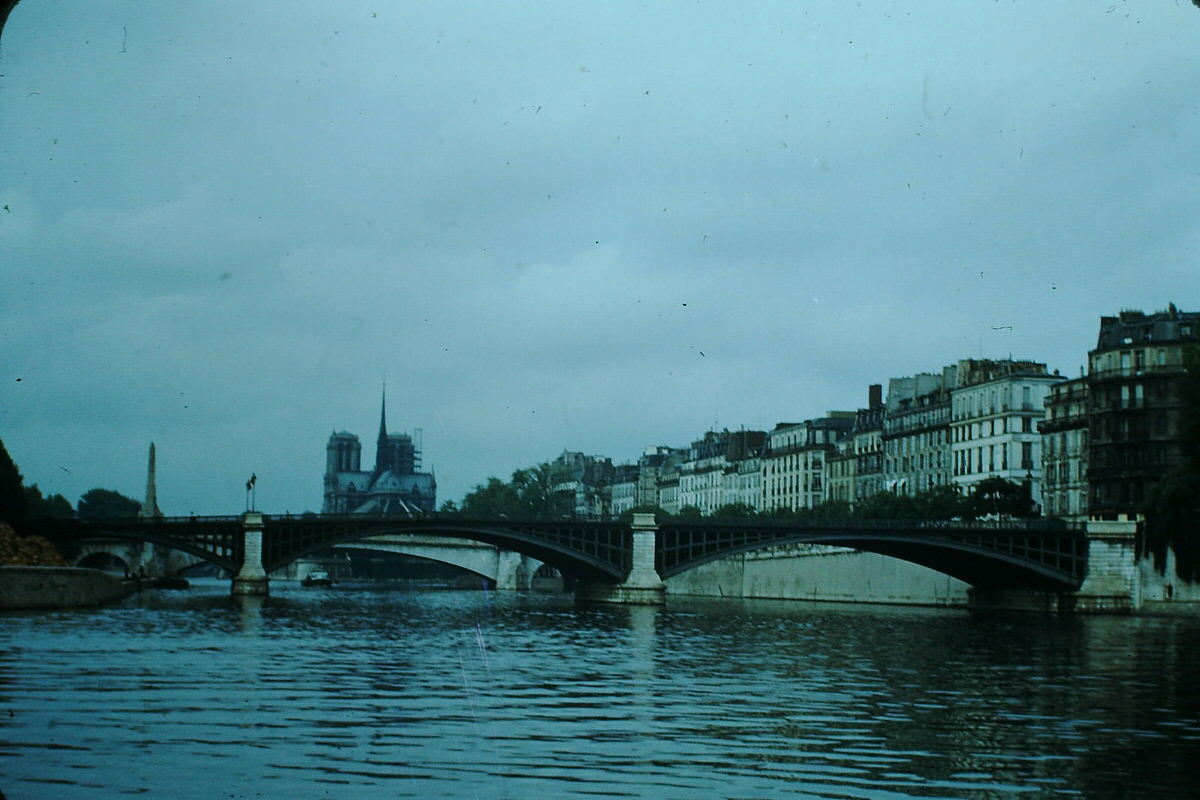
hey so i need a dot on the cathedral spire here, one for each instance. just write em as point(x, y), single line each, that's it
point(381, 444)
point(383, 414)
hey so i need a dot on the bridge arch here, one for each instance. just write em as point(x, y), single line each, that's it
point(505, 569)
point(591, 551)
point(980, 556)
point(103, 559)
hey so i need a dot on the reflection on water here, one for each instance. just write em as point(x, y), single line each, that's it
point(387, 692)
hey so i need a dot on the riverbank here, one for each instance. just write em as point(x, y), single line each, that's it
point(59, 587)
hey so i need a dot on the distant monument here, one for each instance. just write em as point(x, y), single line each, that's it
point(394, 486)
point(150, 507)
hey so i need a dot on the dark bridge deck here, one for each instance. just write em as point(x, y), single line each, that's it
point(1038, 554)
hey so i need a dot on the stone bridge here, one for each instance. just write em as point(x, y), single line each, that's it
point(623, 562)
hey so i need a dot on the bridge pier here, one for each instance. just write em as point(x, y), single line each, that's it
point(251, 578)
point(642, 586)
point(1112, 584)
point(512, 571)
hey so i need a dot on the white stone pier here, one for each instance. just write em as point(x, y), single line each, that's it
point(251, 578)
point(642, 586)
point(1113, 583)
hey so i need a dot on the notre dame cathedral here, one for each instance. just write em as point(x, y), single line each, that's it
point(394, 486)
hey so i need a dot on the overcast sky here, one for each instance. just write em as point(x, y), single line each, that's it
point(592, 225)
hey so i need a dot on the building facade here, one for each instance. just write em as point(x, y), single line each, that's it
point(583, 482)
point(1064, 432)
point(994, 433)
point(1133, 381)
point(712, 474)
point(916, 432)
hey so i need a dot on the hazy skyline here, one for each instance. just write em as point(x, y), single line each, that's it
point(556, 225)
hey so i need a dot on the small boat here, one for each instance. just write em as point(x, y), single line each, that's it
point(318, 577)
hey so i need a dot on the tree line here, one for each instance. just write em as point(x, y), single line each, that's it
point(529, 494)
point(19, 502)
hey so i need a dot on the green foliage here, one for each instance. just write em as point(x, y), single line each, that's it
point(107, 504)
point(1173, 503)
point(1173, 521)
point(13, 504)
point(832, 509)
point(888, 505)
point(734, 511)
point(943, 503)
point(528, 495)
point(27, 551)
point(54, 507)
point(1001, 498)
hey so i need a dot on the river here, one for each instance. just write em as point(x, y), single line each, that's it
point(377, 691)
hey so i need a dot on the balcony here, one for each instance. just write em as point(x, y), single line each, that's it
point(1163, 370)
point(1062, 423)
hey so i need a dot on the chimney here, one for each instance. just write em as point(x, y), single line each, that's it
point(875, 395)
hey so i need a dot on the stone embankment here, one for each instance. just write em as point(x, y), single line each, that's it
point(59, 587)
point(34, 575)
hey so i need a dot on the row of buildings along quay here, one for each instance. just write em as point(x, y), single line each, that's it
point(1086, 446)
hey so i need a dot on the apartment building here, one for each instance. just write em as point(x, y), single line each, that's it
point(1133, 390)
point(916, 432)
point(1064, 433)
point(994, 414)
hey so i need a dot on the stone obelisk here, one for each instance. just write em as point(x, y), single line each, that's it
point(150, 507)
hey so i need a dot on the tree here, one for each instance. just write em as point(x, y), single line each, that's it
point(831, 509)
point(31, 551)
point(528, 495)
point(943, 503)
point(887, 505)
point(1173, 503)
point(107, 504)
point(13, 504)
point(999, 497)
point(735, 511)
point(53, 507)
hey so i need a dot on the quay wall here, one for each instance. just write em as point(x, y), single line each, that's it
point(820, 572)
point(836, 574)
point(59, 587)
point(1164, 591)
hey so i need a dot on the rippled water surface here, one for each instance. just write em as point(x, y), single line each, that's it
point(386, 692)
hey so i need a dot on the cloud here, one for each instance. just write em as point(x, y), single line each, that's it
point(546, 227)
